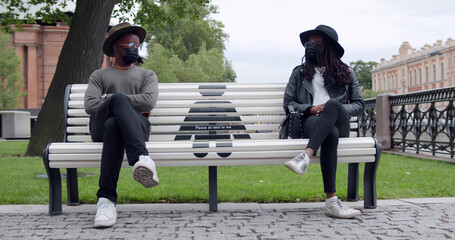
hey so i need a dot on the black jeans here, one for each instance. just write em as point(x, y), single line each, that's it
point(121, 128)
point(324, 131)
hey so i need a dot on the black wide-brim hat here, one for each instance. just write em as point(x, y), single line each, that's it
point(329, 34)
point(117, 31)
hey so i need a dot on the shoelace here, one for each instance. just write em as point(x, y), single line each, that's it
point(341, 206)
point(299, 158)
point(102, 208)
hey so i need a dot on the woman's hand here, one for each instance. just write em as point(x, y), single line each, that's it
point(317, 110)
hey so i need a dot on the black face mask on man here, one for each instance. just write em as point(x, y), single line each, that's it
point(312, 52)
point(130, 55)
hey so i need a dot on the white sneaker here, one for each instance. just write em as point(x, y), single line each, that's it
point(334, 208)
point(299, 164)
point(144, 171)
point(106, 213)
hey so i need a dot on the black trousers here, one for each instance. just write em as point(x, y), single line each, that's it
point(324, 131)
point(121, 128)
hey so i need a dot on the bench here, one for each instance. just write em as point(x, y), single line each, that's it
point(205, 124)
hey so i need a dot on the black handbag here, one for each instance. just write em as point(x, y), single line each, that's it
point(291, 126)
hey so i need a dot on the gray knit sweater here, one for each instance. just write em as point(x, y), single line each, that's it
point(140, 85)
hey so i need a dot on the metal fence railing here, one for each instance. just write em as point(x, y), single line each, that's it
point(424, 121)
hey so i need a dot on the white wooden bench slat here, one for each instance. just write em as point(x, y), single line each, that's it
point(224, 111)
point(79, 103)
point(194, 120)
point(242, 161)
point(258, 154)
point(234, 145)
point(171, 137)
point(85, 121)
point(175, 129)
point(199, 96)
point(163, 87)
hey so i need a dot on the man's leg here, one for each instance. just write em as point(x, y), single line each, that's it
point(132, 126)
point(111, 160)
point(111, 163)
point(135, 130)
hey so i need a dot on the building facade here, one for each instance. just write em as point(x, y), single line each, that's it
point(39, 46)
point(411, 70)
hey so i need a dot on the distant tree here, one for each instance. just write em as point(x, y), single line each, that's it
point(82, 51)
point(363, 72)
point(163, 62)
point(11, 83)
point(204, 66)
point(368, 93)
point(190, 51)
point(187, 36)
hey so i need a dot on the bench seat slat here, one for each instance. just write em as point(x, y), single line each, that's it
point(219, 146)
point(242, 160)
point(164, 155)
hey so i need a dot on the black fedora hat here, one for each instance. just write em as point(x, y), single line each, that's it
point(117, 31)
point(327, 33)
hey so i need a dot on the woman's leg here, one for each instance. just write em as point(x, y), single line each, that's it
point(333, 115)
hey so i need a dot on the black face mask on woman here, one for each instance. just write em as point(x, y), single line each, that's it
point(312, 52)
point(130, 55)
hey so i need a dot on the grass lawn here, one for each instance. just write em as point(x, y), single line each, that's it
point(397, 177)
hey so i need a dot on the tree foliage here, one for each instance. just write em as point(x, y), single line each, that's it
point(11, 83)
point(18, 12)
point(363, 72)
point(82, 51)
point(369, 93)
point(205, 66)
point(189, 50)
point(187, 36)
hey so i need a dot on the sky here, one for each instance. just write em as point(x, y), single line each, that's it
point(264, 44)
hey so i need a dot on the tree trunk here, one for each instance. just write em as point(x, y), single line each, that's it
point(80, 56)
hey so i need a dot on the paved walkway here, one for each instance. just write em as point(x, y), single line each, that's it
point(393, 219)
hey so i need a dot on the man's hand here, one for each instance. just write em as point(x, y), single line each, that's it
point(317, 110)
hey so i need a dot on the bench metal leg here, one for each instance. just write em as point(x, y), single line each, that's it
point(353, 182)
point(213, 195)
point(55, 185)
point(72, 186)
point(369, 180)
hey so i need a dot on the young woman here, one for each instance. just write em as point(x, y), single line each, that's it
point(327, 92)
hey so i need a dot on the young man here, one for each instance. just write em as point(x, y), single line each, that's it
point(119, 100)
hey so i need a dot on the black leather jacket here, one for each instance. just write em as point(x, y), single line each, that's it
point(299, 94)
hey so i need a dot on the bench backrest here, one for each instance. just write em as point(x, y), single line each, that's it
point(199, 111)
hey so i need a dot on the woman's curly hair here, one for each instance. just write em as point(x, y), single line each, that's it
point(336, 74)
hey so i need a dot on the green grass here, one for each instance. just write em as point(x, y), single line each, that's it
point(398, 177)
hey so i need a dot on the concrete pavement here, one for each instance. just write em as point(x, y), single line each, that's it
point(427, 218)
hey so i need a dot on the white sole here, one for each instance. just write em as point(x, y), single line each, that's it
point(290, 166)
point(105, 224)
point(343, 217)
